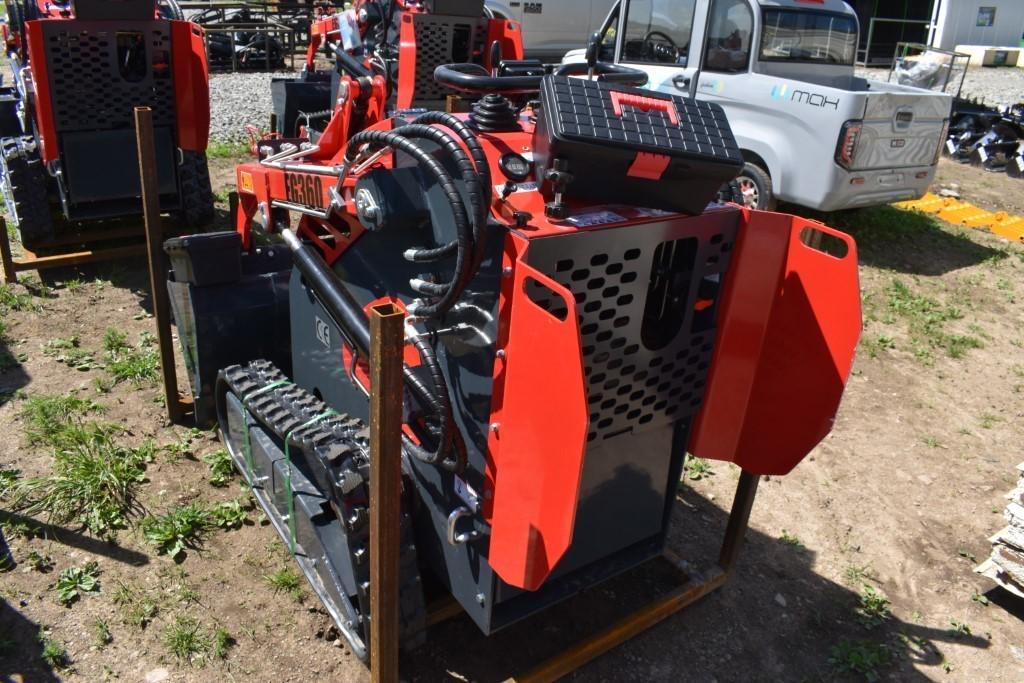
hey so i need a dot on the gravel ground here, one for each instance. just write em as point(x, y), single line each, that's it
point(241, 98)
point(999, 87)
point(237, 99)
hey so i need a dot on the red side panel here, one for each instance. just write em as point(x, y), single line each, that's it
point(407, 58)
point(537, 462)
point(45, 122)
point(509, 34)
point(191, 85)
point(788, 328)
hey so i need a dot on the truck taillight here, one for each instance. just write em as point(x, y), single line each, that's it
point(942, 141)
point(846, 150)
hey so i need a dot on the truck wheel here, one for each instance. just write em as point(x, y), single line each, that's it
point(756, 187)
point(170, 9)
point(24, 183)
point(196, 196)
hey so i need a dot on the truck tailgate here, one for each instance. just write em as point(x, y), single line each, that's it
point(901, 129)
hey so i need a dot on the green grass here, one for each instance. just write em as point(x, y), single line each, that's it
point(101, 633)
point(697, 468)
point(137, 609)
point(874, 608)
point(39, 562)
point(139, 365)
point(52, 419)
point(863, 657)
point(287, 581)
point(53, 652)
point(876, 345)
point(187, 640)
point(229, 514)
point(93, 484)
point(792, 540)
point(181, 529)
point(222, 468)
point(74, 582)
point(8, 478)
point(927, 321)
point(70, 352)
point(227, 150)
point(222, 642)
point(958, 629)
point(10, 300)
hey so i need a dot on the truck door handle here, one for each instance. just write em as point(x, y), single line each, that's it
point(682, 82)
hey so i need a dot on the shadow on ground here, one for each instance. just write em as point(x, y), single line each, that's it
point(905, 241)
point(13, 375)
point(776, 620)
point(21, 648)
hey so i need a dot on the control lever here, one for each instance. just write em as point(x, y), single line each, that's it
point(593, 52)
point(495, 58)
point(559, 177)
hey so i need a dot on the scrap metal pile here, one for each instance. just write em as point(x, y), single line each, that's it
point(1006, 564)
point(984, 136)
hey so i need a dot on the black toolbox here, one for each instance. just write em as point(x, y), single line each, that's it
point(628, 145)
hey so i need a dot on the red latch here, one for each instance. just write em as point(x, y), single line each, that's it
point(649, 166)
point(625, 99)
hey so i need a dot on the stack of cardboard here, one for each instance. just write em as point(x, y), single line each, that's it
point(1006, 564)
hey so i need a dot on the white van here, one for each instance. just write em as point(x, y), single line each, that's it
point(552, 27)
point(812, 132)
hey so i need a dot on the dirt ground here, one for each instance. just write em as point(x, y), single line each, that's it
point(895, 505)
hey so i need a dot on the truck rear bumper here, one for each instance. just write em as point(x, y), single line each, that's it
point(858, 189)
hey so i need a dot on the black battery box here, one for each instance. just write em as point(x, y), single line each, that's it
point(620, 144)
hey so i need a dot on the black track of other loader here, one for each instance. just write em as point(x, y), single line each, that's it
point(24, 189)
point(194, 186)
point(334, 455)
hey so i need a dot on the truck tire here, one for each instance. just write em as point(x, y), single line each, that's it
point(756, 187)
point(170, 9)
point(196, 195)
point(24, 183)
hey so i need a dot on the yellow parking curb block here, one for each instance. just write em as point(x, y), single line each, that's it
point(966, 214)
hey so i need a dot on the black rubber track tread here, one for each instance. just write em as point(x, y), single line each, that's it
point(337, 450)
point(24, 190)
point(196, 199)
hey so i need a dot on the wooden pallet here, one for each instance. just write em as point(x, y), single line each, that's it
point(83, 253)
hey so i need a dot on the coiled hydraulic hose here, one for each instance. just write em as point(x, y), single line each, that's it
point(463, 228)
point(444, 415)
point(469, 175)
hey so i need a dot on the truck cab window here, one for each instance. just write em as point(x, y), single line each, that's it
point(729, 34)
point(658, 31)
point(802, 36)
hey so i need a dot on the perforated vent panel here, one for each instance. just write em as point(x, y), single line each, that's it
point(629, 385)
point(443, 40)
point(92, 89)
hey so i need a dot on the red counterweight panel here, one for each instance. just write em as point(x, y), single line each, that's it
point(191, 85)
point(45, 121)
point(536, 463)
point(788, 328)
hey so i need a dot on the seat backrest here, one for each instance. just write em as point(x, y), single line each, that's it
point(120, 10)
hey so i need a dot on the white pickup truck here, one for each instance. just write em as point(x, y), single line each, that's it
point(812, 132)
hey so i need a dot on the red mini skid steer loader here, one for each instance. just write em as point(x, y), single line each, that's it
point(67, 134)
point(581, 313)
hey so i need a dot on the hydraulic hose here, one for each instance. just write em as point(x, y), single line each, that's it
point(464, 233)
point(351, 318)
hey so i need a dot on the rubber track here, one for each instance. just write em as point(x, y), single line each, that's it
point(337, 449)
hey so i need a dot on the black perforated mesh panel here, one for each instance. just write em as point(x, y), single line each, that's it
point(88, 88)
point(438, 40)
point(629, 385)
